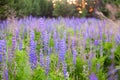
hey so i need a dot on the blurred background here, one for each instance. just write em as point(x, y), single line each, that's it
point(55, 8)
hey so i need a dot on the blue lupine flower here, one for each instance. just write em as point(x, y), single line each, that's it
point(13, 44)
point(62, 50)
point(32, 55)
point(33, 60)
point(41, 59)
point(96, 42)
point(93, 77)
point(117, 39)
point(65, 69)
point(47, 65)
point(20, 45)
point(73, 44)
point(17, 34)
point(112, 72)
point(45, 39)
point(0, 57)
point(74, 56)
point(2, 50)
point(90, 59)
point(56, 42)
point(6, 74)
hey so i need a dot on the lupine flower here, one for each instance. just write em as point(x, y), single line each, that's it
point(74, 56)
point(64, 69)
point(0, 57)
point(73, 44)
point(6, 75)
point(33, 60)
point(62, 50)
point(32, 55)
point(55, 37)
point(56, 45)
point(91, 55)
point(24, 31)
point(117, 39)
point(93, 77)
point(112, 73)
point(49, 50)
point(13, 44)
point(17, 33)
point(20, 45)
point(2, 50)
point(45, 39)
point(41, 59)
point(47, 65)
point(96, 42)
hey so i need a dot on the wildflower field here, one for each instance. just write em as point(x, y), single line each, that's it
point(59, 49)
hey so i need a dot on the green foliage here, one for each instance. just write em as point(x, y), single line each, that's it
point(78, 72)
point(63, 9)
point(117, 55)
point(20, 68)
point(3, 8)
point(38, 74)
point(84, 13)
point(41, 7)
point(116, 2)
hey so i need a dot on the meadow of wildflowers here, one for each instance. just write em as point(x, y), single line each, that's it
point(59, 49)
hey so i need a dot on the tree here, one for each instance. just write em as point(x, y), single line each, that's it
point(63, 8)
point(3, 8)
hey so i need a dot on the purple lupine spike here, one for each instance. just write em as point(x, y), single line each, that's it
point(3, 50)
point(90, 59)
point(55, 37)
point(45, 39)
point(32, 35)
point(93, 77)
point(47, 65)
point(55, 34)
point(111, 72)
point(41, 59)
point(74, 56)
point(13, 44)
point(20, 45)
point(24, 31)
point(49, 50)
point(96, 42)
point(62, 50)
point(117, 39)
point(6, 76)
point(64, 69)
point(32, 55)
point(56, 45)
point(17, 34)
point(73, 43)
point(33, 60)
point(3, 58)
point(0, 57)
